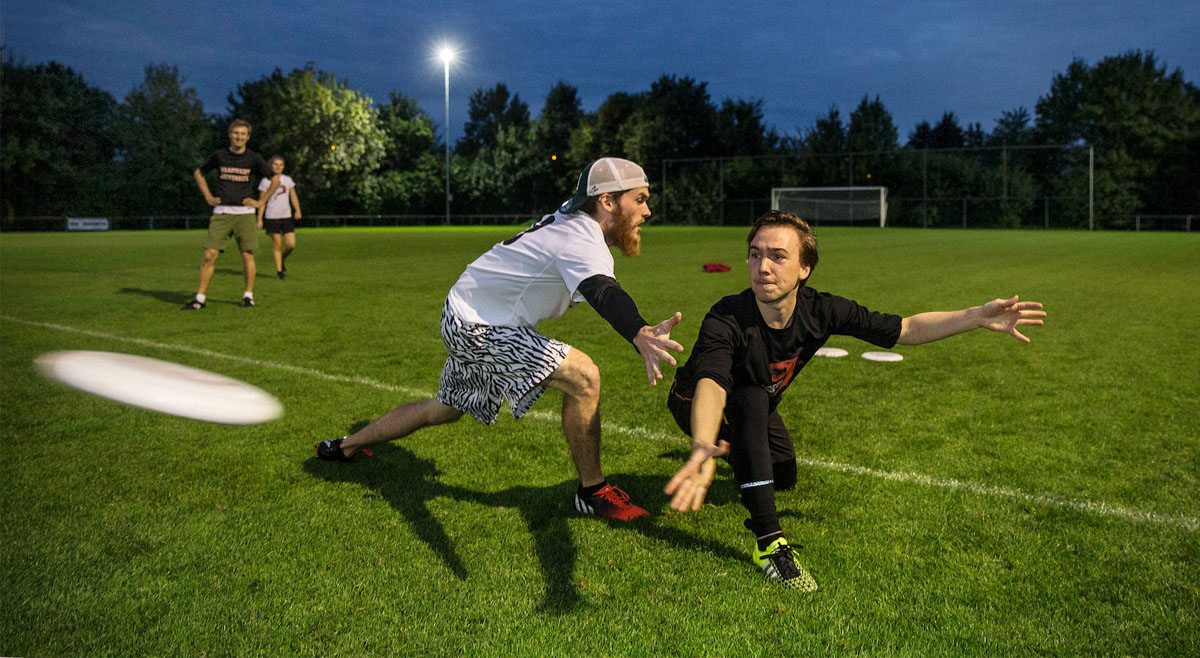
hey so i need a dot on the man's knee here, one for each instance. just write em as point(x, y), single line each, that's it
point(581, 376)
point(784, 474)
point(439, 413)
point(210, 256)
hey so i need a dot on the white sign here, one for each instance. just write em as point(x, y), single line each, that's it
point(87, 223)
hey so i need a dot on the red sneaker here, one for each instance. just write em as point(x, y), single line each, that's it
point(609, 502)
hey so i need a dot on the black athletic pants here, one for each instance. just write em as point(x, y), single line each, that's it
point(761, 450)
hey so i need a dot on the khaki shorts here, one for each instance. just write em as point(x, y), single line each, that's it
point(243, 227)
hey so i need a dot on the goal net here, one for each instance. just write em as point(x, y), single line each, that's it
point(828, 205)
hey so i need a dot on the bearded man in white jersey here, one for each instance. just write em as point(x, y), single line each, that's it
point(489, 325)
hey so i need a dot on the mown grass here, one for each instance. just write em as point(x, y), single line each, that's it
point(1042, 498)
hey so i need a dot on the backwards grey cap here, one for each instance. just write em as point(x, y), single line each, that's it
point(605, 175)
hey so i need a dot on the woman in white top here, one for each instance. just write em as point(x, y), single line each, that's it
point(281, 212)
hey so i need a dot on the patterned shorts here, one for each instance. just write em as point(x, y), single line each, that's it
point(488, 364)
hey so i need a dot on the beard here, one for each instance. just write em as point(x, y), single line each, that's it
point(627, 237)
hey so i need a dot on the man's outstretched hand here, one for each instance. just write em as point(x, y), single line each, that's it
point(690, 484)
point(1005, 315)
point(653, 342)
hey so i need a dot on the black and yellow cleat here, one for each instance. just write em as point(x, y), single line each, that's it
point(778, 563)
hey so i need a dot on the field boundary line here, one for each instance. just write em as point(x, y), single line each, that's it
point(1043, 499)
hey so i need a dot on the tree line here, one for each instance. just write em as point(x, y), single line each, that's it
point(69, 148)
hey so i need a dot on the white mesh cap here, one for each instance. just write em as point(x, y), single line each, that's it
point(605, 175)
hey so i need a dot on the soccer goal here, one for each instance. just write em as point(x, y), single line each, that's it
point(829, 205)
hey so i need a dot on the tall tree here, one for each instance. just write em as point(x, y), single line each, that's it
point(58, 142)
point(599, 134)
point(162, 135)
point(488, 111)
point(328, 133)
point(1014, 128)
point(871, 128)
point(675, 119)
point(872, 131)
point(947, 134)
point(741, 130)
point(550, 138)
point(973, 136)
point(1144, 124)
point(410, 175)
point(827, 134)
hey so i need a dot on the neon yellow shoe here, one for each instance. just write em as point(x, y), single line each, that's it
point(778, 563)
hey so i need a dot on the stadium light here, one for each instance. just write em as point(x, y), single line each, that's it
point(446, 54)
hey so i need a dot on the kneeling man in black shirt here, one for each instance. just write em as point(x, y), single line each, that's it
point(750, 347)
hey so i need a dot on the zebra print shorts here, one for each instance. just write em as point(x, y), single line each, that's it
point(488, 364)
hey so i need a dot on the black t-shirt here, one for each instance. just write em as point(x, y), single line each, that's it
point(736, 348)
point(237, 175)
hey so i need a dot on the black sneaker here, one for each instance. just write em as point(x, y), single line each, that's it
point(330, 450)
point(193, 305)
point(247, 302)
point(281, 274)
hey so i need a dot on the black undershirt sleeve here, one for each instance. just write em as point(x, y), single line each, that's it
point(613, 304)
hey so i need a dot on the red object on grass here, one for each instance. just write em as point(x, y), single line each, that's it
point(716, 267)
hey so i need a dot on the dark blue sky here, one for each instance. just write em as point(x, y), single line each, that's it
point(976, 59)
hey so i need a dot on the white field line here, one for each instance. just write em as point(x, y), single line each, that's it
point(1044, 499)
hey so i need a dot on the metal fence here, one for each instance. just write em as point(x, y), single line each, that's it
point(965, 212)
point(186, 222)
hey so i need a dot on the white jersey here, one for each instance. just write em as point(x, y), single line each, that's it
point(279, 206)
point(534, 276)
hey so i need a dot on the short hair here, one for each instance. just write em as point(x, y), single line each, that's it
point(593, 202)
point(808, 239)
point(240, 122)
point(276, 157)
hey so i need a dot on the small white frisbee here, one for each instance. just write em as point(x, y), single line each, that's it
point(161, 386)
point(832, 352)
point(882, 356)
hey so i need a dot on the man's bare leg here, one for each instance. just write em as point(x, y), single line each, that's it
point(400, 422)
point(207, 266)
point(579, 380)
point(249, 269)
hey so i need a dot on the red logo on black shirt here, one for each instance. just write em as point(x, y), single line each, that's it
point(781, 374)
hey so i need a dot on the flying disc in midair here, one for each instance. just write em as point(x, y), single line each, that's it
point(832, 352)
point(882, 356)
point(162, 386)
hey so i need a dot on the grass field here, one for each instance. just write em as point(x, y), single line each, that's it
point(982, 497)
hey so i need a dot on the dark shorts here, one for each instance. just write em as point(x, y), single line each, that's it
point(243, 228)
point(279, 226)
point(780, 440)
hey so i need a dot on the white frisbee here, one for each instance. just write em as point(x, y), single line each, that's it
point(882, 356)
point(162, 386)
point(832, 352)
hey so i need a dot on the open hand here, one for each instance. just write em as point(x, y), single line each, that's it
point(690, 484)
point(1005, 315)
point(653, 342)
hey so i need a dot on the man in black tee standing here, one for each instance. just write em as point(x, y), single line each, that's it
point(750, 347)
point(234, 208)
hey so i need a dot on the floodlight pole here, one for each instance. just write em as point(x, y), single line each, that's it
point(446, 56)
point(1091, 188)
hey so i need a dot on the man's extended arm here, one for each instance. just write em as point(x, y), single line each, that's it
point(690, 484)
point(1003, 315)
point(616, 306)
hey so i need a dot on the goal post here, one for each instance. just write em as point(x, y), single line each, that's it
point(833, 205)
